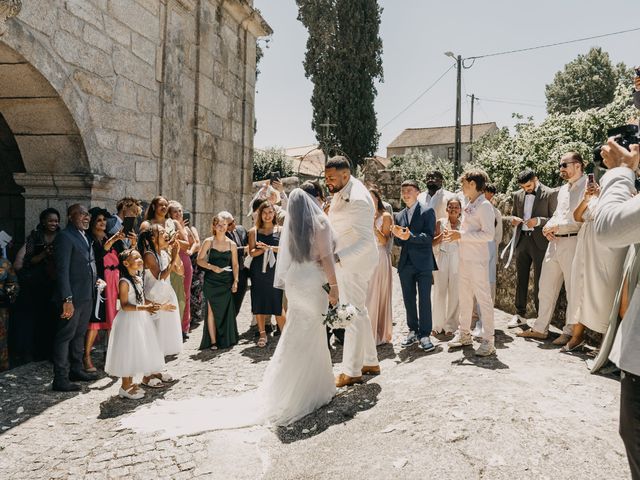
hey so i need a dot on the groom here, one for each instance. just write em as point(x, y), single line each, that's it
point(351, 215)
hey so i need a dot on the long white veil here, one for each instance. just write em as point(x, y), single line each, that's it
point(306, 235)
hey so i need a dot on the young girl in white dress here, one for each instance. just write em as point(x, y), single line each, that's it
point(133, 345)
point(158, 265)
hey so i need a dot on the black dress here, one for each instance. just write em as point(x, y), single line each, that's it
point(265, 299)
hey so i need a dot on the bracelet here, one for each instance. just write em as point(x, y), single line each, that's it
point(333, 284)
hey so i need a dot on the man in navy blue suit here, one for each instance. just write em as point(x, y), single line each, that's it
point(413, 231)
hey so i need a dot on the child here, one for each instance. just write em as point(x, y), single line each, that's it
point(158, 265)
point(133, 345)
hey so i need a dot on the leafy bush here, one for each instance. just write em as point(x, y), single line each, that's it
point(416, 164)
point(503, 155)
point(271, 160)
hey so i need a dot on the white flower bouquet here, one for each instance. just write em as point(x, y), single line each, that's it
point(339, 316)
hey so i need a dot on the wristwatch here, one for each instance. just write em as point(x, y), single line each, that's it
point(68, 300)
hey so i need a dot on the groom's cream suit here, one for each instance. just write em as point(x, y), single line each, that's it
point(351, 216)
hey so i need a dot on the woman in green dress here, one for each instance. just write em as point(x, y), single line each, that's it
point(219, 259)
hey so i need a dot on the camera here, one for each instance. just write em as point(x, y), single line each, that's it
point(625, 136)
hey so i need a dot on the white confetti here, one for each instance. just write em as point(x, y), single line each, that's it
point(305, 430)
point(20, 410)
point(400, 463)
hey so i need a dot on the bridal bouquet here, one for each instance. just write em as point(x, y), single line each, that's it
point(339, 316)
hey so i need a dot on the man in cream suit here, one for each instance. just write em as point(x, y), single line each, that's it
point(351, 215)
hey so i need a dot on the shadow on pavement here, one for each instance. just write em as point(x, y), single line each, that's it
point(470, 359)
point(414, 352)
point(115, 406)
point(501, 338)
point(341, 409)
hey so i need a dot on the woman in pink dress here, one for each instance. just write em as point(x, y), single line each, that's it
point(106, 256)
point(380, 286)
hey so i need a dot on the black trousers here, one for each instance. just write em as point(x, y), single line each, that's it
point(68, 344)
point(527, 253)
point(238, 297)
point(630, 420)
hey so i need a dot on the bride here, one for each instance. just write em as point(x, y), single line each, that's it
point(299, 378)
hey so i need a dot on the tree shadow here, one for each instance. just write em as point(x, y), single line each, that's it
point(115, 406)
point(344, 406)
point(469, 358)
point(414, 352)
point(258, 354)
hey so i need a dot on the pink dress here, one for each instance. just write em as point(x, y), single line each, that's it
point(379, 295)
point(188, 277)
point(110, 294)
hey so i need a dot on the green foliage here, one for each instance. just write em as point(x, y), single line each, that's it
point(271, 160)
point(589, 81)
point(540, 147)
point(416, 164)
point(344, 60)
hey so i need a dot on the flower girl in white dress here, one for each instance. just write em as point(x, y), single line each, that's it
point(158, 265)
point(133, 345)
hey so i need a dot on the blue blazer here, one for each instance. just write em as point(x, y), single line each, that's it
point(418, 247)
point(75, 266)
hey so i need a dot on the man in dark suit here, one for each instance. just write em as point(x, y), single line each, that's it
point(413, 231)
point(76, 284)
point(533, 205)
point(238, 234)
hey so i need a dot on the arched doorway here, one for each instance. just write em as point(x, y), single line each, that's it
point(43, 161)
point(11, 199)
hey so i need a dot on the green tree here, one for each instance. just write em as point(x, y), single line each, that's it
point(589, 81)
point(503, 155)
point(344, 62)
point(271, 160)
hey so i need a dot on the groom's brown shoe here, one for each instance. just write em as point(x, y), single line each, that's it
point(373, 370)
point(344, 380)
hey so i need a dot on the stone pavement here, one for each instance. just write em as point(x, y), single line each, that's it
point(530, 412)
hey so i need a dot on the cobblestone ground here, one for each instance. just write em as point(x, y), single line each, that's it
point(530, 412)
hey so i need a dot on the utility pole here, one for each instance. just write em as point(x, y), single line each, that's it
point(458, 144)
point(327, 125)
point(473, 99)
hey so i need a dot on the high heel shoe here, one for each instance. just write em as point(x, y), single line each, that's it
point(88, 366)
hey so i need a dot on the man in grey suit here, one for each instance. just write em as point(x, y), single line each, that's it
point(76, 284)
point(533, 205)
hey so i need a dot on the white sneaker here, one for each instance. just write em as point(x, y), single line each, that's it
point(460, 340)
point(485, 349)
point(516, 321)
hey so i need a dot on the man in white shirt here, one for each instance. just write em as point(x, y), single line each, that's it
point(616, 225)
point(562, 232)
point(435, 196)
point(476, 231)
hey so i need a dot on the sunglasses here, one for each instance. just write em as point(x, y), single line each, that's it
point(565, 164)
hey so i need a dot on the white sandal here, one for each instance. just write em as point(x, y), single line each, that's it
point(165, 377)
point(154, 382)
point(133, 396)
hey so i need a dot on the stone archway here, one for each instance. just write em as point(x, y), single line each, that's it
point(45, 160)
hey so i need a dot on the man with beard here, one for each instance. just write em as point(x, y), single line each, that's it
point(351, 215)
point(435, 197)
point(533, 205)
point(562, 232)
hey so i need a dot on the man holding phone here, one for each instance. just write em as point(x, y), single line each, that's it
point(413, 231)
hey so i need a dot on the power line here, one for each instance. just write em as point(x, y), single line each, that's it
point(419, 96)
point(510, 102)
point(552, 44)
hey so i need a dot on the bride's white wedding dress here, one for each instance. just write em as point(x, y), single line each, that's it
point(298, 380)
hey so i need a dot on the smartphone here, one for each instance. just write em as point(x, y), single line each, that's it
point(186, 216)
point(591, 178)
point(274, 177)
point(127, 224)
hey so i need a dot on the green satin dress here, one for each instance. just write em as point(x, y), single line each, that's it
point(217, 292)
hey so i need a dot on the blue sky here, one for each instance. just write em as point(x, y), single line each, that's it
point(416, 33)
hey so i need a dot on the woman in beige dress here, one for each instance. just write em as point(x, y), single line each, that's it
point(380, 286)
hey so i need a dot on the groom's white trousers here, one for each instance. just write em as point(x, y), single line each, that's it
point(359, 345)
